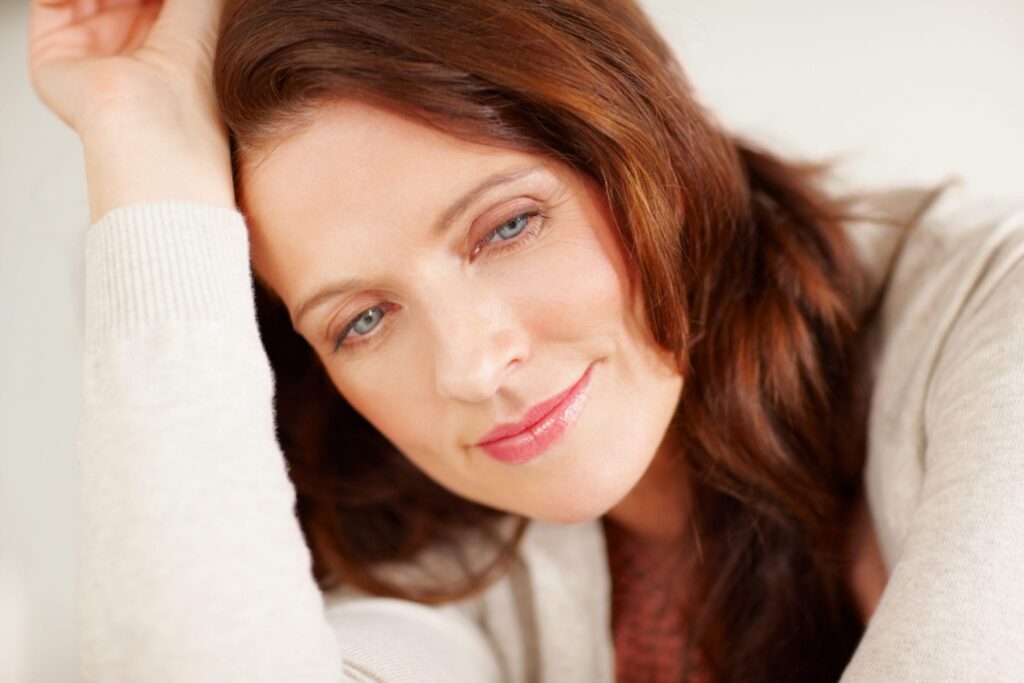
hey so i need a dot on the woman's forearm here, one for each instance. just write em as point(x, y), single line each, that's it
point(138, 159)
point(192, 565)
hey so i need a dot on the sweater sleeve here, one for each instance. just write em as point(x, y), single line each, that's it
point(953, 609)
point(192, 564)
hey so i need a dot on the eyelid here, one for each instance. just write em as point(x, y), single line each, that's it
point(332, 337)
point(537, 219)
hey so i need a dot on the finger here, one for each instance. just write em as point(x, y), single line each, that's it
point(46, 15)
point(118, 27)
point(202, 15)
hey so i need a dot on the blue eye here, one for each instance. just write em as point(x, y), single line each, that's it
point(362, 325)
point(515, 233)
point(511, 228)
point(518, 232)
point(365, 323)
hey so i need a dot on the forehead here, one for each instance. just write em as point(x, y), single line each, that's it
point(357, 151)
point(354, 173)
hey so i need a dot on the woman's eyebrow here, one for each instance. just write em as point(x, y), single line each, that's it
point(334, 289)
point(467, 199)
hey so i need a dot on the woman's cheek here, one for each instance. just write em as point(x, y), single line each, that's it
point(572, 289)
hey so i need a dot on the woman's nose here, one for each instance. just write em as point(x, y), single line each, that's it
point(477, 345)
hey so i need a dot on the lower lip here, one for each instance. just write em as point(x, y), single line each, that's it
point(528, 444)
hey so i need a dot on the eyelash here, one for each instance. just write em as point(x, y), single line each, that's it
point(523, 239)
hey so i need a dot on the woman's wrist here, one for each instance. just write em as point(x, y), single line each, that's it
point(131, 163)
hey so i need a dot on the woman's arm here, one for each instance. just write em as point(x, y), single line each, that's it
point(953, 609)
point(192, 564)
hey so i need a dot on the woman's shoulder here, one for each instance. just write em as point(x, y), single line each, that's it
point(936, 255)
point(948, 327)
point(543, 617)
point(384, 637)
point(960, 222)
point(926, 247)
point(951, 201)
point(947, 419)
point(963, 243)
point(553, 588)
point(546, 548)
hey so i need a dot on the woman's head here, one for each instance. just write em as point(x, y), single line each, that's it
point(457, 315)
point(706, 287)
point(357, 125)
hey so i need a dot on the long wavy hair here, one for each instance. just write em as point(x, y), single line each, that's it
point(749, 281)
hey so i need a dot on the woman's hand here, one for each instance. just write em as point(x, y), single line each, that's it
point(134, 79)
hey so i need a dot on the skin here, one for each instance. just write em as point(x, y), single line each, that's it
point(469, 339)
point(477, 327)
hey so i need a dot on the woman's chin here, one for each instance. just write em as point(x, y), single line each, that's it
point(585, 496)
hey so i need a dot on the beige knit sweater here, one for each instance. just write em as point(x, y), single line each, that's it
point(193, 567)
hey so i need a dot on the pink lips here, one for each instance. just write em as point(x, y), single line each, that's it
point(543, 425)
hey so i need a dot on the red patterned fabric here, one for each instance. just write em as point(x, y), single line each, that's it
point(647, 626)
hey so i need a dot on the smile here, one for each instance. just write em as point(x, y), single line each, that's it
point(542, 426)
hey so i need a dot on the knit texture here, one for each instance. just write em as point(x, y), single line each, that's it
point(647, 619)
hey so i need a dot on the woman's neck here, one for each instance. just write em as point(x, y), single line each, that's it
point(654, 509)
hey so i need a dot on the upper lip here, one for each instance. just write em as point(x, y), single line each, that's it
point(532, 417)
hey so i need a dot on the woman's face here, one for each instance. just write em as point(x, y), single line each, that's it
point(462, 286)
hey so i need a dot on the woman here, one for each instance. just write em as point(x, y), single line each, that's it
point(550, 350)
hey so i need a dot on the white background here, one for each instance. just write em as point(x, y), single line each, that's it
point(906, 90)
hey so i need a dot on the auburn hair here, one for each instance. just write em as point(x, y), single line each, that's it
point(749, 280)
